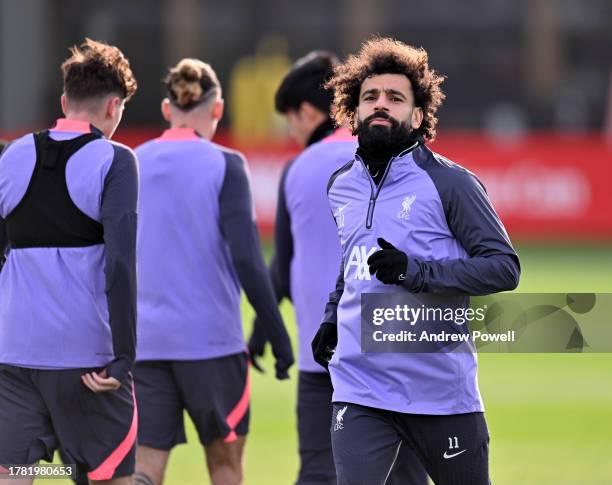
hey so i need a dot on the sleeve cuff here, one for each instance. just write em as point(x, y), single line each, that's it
point(413, 281)
point(119, 369)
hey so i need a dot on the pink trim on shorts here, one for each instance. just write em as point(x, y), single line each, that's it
point(73, 126)
point(236, 415)
point(107, 469)
point(341, 134)
point(178, 134)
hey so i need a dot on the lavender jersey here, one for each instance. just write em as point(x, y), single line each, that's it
point(316, 249)
point(71, 307)
point(437, 213)
point(197, 245)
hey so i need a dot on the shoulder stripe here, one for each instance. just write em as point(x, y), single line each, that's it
point(345, 168)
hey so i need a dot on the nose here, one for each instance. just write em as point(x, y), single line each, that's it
point(381, 104)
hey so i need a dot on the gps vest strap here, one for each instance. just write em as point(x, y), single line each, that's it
point(46, 216)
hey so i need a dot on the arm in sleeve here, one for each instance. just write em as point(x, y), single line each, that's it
point(492, 265)
point(3, 230)
point(274, 277)
point(3, 242)
point(118, 212)
point(331, 307)
point(240, 233)
point(330, 314)
point(258, 337)
point(280, 268)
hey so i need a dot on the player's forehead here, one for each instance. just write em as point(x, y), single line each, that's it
point(386, 82)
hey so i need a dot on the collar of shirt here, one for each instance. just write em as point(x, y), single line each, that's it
point(323, 130)
point(75, 126)
point(377, 169)
point(340, 134)
point(179, 134)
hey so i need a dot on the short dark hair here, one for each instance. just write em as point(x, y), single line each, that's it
point(305, 82)
point(387, 56)
point(96, 69)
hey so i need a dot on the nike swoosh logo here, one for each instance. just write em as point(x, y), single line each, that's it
point(448, 457)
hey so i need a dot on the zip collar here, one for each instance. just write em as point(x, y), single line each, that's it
point(406, 151)
point(402, 157)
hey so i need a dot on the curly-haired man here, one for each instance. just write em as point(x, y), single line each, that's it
point(416, 225)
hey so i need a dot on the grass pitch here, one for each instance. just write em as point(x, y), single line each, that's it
point(549, 415)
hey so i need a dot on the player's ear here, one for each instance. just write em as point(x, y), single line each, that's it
point(113, 104)
point(354, 122)
point(308, 111)
point(64, 103)
point(417, 118)
point(165, 110)
point(217, 111)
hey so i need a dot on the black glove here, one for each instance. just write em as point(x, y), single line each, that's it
point(324, 344)
point(281, 349)
point(257, 345)
point(283, 354)
point(390, 264)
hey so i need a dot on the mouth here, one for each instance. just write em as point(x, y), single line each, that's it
point(380, 121)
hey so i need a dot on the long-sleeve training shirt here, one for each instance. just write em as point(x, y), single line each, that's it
point(438, 213)
point(71, 307)
point(306, 243)
point(197, 245)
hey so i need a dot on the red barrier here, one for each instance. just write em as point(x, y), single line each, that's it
point(266, 162)
point(544, 186)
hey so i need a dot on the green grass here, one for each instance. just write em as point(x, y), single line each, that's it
point(550, 415)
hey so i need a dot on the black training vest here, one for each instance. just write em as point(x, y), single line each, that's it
point(46, 216)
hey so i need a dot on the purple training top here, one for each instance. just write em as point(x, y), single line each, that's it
point(71, 307)
point(315, 246)
point(437, 213)
point(197, 245)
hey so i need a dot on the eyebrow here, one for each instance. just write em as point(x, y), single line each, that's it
point(395, 92)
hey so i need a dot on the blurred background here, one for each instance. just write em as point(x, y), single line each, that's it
point(529, 87)
point(528, 108)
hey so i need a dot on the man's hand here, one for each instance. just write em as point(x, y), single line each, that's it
point(281, 350)
point(324, 344)
point(390, 264)
point(283, 354)
point(100, 382)
point(257, 346)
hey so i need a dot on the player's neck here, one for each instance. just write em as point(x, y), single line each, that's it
point(325, 128)
point(84, 117)
point(205, 130)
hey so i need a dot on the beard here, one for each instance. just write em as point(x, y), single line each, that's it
point(384, 141)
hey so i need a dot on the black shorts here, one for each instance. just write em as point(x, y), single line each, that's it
point(43, 409)
point(215, 393)
point(366, 442)
point(314, 411)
